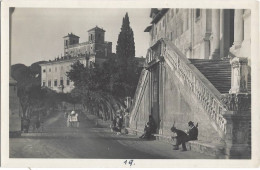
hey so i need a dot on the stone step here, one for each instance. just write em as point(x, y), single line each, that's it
point(207, 148)
point(218, 72)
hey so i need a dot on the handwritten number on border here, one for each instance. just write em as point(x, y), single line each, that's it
point(130, 162)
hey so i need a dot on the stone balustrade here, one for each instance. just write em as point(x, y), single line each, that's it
point(209, 97)
point(135, 102)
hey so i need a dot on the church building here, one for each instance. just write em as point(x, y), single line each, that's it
point(198, 69)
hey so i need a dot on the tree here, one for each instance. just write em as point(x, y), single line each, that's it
point(125, 48)
point(92, 88)
point(32, 97)
point(128, 72)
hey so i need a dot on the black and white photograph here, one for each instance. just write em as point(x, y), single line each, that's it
point(150, 83)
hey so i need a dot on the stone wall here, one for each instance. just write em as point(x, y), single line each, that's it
point(181, 106)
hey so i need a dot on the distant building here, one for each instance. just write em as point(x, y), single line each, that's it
point(95, 50)
point(96, 44)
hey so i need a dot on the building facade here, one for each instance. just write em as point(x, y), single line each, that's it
point(96, 50)
point(203, 33)
point(96, 44)
point(198, 69)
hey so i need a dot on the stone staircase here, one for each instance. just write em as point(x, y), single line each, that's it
point(208, 80)
point(218, 72)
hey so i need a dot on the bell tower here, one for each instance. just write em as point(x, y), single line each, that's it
point(96, 35)
point(70, 39)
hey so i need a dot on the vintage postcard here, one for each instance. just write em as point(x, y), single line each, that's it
point(129, 84)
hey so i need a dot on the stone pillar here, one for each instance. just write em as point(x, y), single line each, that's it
point(238, 28)
point(239, 75)
point(238, 118)
point(215, 34)
point(207, 36)
point(237, 138)
point(222, 33)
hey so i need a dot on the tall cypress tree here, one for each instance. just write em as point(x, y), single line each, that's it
point(125, 48)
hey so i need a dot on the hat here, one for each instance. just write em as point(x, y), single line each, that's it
point(190, 123)
point(73, 112)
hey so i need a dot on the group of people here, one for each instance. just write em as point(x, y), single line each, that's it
point(72, 119)
point(35, 123)
point(117, 124)
point(181, 137)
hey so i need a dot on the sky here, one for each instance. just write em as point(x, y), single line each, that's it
point(37, 33)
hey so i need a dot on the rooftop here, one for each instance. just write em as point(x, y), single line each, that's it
point(147, 29)
point(159, 15)
point(97, 28)
point(64, 59)
point(71, 35)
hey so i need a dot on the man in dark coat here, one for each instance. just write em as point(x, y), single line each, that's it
point(193, 132)
point(183, 137)
point(149, 129)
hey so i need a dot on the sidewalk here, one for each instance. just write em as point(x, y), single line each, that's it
point(154, 147)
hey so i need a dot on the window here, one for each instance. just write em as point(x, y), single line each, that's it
point(55, 69)
point(177, 10)
point(61, 67)
point(49, 69)
point(91, 37)
point(49, 83)
point(68, 82)
point(172, 12)
point(55, 83)
point(61, 81)
point(197, 13)
point(43, 70)
point(43, 84)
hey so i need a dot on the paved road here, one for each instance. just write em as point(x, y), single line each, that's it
point(90, 141)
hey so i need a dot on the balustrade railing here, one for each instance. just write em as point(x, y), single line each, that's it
point(139, 87)
point(188, 74)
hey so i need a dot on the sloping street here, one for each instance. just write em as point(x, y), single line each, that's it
point(90, 141)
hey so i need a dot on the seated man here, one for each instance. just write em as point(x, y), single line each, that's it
point(193, 131)
point(147, 132)
point(149, 129)
point(183, 137)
